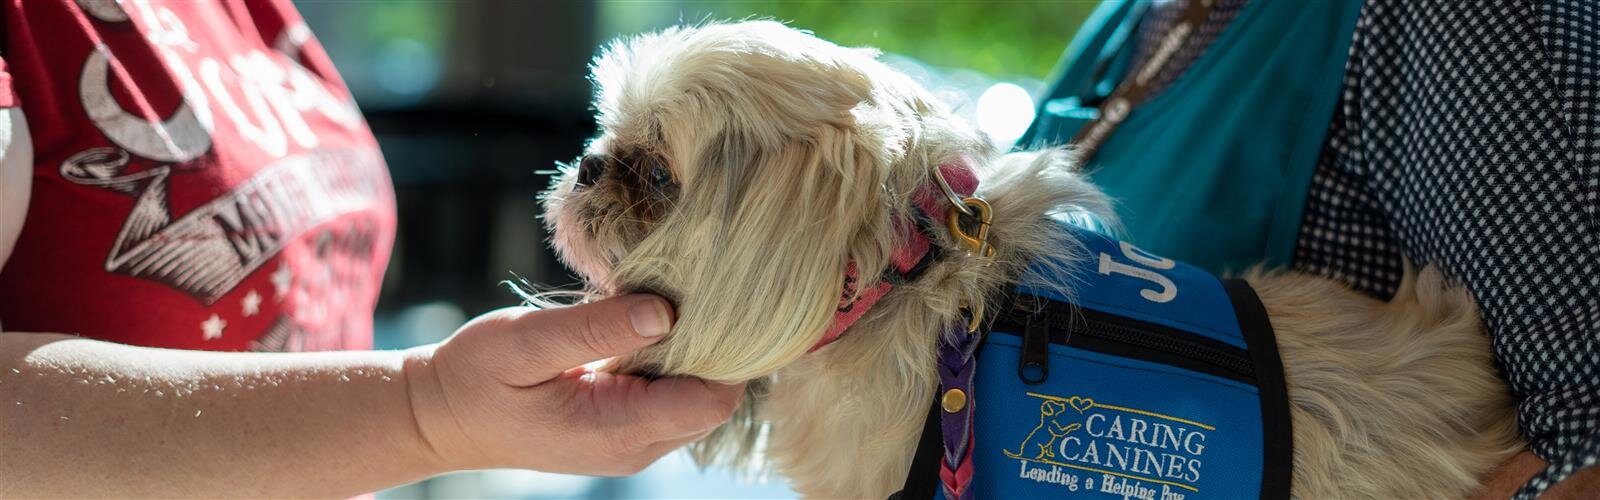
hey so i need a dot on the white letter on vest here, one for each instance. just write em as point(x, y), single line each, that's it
point(1168, 290)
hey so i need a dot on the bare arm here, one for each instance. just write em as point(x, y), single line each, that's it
point(1517, 470)
point(83, 417)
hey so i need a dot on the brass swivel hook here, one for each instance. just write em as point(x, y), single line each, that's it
point(975, 244)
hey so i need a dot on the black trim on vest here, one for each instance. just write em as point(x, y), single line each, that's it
point(922, 481)
point(1277, 438)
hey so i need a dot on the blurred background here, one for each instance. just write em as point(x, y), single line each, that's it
point(474, 102)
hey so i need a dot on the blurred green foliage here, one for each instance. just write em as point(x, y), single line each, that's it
point(1001, 38)
point(426, 21)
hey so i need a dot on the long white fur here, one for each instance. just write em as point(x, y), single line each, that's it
point(795, 157)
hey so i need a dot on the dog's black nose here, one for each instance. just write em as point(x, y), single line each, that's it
point(590, 168)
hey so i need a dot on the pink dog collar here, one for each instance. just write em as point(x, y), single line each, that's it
point(911, 257)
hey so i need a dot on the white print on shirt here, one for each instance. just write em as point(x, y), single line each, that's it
point(211, 328)
point(251, 304)
point(276, 94)
point(182, 137)
point(207, 251)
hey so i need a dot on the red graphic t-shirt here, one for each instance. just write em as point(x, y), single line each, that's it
point(202, 179)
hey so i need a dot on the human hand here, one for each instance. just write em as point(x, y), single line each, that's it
point(507, 390)
point(1509, 476)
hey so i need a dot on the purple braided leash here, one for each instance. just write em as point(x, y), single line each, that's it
point(956, 349)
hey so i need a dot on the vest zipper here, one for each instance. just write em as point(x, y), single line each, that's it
point(1034, 365)
point(1048, 322)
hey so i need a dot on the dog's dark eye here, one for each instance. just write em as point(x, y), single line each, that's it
point(660, 176)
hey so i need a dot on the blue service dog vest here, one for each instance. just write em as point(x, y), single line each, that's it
point(1154, 380)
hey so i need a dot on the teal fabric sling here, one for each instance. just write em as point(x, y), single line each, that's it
point(1214, 169)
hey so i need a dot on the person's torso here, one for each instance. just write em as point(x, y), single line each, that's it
point(1228, 136)
point(202, 179)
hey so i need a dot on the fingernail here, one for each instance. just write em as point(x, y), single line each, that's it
point(650, 317)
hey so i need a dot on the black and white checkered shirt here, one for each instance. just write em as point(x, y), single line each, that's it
point(1467, 136)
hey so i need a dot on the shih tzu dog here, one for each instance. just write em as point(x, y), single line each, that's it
point(758, 176)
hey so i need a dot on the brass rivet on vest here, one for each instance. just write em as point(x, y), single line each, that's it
point(954, 400)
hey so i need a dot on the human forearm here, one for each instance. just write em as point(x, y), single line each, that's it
point(1509, 477)
point(87, 418)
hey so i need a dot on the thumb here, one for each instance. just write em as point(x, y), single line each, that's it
point(547, 342)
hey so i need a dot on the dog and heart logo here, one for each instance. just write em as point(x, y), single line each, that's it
point(1052, 414)
point(1084, 444)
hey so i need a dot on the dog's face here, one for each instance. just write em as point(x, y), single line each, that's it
point(739, 169)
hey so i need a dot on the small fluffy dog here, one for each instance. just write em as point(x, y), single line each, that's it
point(743, 168)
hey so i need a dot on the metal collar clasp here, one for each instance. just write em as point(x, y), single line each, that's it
point(977, 244)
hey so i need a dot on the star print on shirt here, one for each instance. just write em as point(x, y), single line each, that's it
point(251, 303)
point(281, 280)
point(211, 328)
